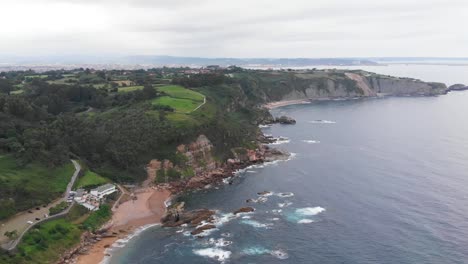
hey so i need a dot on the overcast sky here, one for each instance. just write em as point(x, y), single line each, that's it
point(235, 28)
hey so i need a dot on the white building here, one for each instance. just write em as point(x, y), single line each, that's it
point(80, 196)
point(103, 190)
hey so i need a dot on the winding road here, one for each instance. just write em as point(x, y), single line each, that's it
point(19, 221)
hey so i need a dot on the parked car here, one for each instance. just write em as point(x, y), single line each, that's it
point(30, 222)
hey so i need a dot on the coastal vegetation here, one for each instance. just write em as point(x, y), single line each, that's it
point(97, 218)
point(26, 186)
point(45, 243)
point(116, 121)
point(90, 179)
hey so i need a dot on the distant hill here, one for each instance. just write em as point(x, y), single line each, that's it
point(180, 61)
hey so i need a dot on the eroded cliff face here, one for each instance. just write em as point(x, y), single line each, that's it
point(329, 84)
point(198, 154)
point(401, 87)
point(193, 159)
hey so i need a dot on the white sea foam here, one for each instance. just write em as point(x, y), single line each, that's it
point(266, 194)
point(305, 221)
point(279, 253)
point(276, 211)
point(256, 224)
point(310, 210)
point(311, 141)
point(285, 194)
point(214, 253)
point(264, 126)
point(120, 243)
point(246, 217)
point(319, 121)
point(256, 250)
point(285, 204)
point(221, 242)
point(273, 219)
point(280, 140)
point(259, 250)
point(263, 165)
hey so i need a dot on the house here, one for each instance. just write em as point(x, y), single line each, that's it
point(80, 196)
point(103, 190)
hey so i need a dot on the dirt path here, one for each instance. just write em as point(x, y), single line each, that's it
point(204, 102)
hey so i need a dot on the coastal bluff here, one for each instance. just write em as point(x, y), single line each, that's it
point(294, 85)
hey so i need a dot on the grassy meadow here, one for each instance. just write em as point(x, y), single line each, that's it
point(29, 186)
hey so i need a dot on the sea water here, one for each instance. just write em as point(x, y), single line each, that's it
point(371, 181)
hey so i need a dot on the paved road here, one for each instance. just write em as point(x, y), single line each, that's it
point(19, 221)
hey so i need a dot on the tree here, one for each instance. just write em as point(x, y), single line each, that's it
point(5, 86)
point(148, 91)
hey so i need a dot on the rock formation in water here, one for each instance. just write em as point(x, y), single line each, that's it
point(457, 87)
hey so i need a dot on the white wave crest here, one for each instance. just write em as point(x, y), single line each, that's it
point(221, 242)
point(285, 194)
point(320, 121)
point(120, 243)
point(311, 141)
point(305, 221)
point(310, 210)
point(280, 140)
point(214, 253)
point(285, 204)
point(279, 253)
point(256, 224)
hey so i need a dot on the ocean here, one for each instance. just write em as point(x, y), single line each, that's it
point(369, 181)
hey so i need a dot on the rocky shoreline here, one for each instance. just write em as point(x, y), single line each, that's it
point(262, 154)
point(202, 219)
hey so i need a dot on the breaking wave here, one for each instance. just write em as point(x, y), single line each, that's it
point(256, 224)
point(280, 140)
point(305, 221)
point(214, 253)
point(311, 141)
point(310, 211)
point(259, 250)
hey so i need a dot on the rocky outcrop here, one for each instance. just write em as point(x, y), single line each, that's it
point(198, 155)
point(244, 210)
point(285, 120)
point(193, 218)
point(202, 228)
point(457, 87)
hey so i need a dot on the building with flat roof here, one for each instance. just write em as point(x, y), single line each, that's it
point(103, 190)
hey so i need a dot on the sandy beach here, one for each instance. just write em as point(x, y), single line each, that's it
point(277, 104)
point(147, 209)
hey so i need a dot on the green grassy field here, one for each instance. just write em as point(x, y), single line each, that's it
point(90, 179)
point(179, 105)
point(182, 100)
point(130, 89)
point(181, 92)
point(45, 243)
point(29, 186)
point(43, 76)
